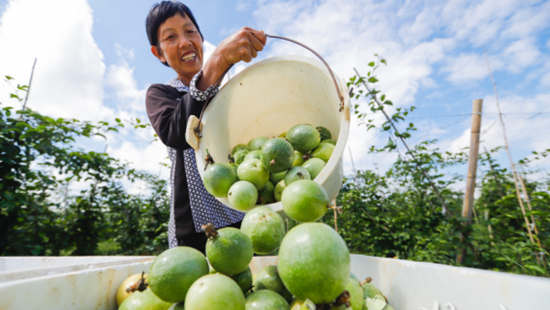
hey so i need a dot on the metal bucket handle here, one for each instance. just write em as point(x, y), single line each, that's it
point(197, 130)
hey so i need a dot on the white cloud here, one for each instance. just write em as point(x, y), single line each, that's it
point(467, 68)
point(521, 54)
point(144, 156)
point(120, 77)
point(528, 21)
point(208, 49)
point(545, 80)
point(68, 79)
point(241, 6)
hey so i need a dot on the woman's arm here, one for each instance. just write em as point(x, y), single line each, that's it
point(243, 45)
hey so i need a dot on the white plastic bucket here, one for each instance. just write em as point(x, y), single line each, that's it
point(267, 99)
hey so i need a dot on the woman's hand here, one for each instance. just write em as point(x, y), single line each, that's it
point(243, 45)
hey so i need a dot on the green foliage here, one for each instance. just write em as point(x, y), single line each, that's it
point(412, 211)
point(38, 163)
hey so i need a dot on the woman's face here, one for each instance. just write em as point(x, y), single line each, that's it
point(180, 46)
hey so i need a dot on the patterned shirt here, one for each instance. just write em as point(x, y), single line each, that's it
point(205, 208)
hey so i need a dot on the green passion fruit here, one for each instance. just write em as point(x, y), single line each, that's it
point(242, 195)
point(277, 177)
point(136, 282)
point(211, 269)
point(240, 155)
point(173, 272)
point(215, 292)
point(178, 306)
point(277, 155)
point(314, 262)
point(253, 171)
point(256, 143)
point(229, 250)
point(305, 201)
point(239, 147)
point(253, 154)
point(314, 166)
point(265, 300)
point(269, 279)
point(218, 178)
point(325, 133)
point(265, 228)
point(301, 304)
point(356, 296)
point(354, 288)
point(279, 189)
point(298, 158)
point(303, 137)
point(323, 151)
point(244, 279)
point(266, 194)
point(370, 290)
point(333, 142)
point(295, 174)
point(233, 166)
point(145, 300)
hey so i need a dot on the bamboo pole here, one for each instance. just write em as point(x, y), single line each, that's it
point(353, 165)
point(467, 207)
point(30, 82)
point(530, 209)
point(528, 203)
point(527, 225)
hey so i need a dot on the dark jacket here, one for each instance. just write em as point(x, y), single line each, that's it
point(168, 111)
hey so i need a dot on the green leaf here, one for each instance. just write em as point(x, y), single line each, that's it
point(371, 63)
point(373, 79)
point(538, 269)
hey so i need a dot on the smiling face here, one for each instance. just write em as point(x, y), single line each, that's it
point(180, 46)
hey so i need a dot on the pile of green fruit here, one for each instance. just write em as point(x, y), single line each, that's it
point(259, 172)
point(313, 272)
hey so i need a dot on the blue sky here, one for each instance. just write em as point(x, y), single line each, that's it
point(94, 62)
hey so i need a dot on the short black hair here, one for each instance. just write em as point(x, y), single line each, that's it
point(159, 13)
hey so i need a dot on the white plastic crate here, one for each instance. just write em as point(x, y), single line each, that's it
point(408, 285)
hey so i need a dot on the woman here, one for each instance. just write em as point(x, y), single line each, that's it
point(176, 41)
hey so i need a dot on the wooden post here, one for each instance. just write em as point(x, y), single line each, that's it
point(472, 161)
point(472, 168)
point(335, 220)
